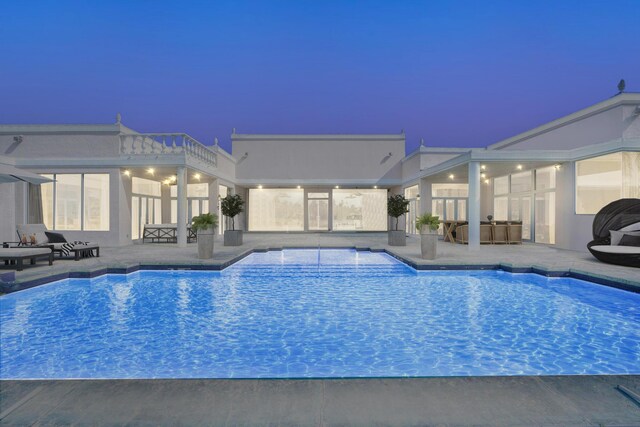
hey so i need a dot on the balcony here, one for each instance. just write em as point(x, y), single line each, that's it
point(159, 144)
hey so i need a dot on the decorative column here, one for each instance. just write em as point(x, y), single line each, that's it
point(182, 206)
point(474, 206)
point(425, 197)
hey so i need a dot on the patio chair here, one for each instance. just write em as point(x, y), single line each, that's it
point(514, 232)
point(486, 233)
point(60, 245)
point(500, 233)
point(462, 234)
point(620, 216)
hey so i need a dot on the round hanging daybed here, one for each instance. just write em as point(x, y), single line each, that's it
point(621, 215)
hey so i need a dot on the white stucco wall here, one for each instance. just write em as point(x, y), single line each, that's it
point(320, 158)
point(60, 146)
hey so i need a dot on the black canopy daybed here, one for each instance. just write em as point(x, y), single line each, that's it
point(621, 215)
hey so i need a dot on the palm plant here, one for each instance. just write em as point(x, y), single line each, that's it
point(204, 221)
point(428, 220)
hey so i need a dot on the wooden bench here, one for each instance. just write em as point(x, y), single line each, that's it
point(165, 233)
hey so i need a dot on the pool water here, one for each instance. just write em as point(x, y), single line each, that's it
point(310, 313)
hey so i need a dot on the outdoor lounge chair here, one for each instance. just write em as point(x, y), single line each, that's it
point(78, 249)
point(621, 215)
point(500, 233)
point(19, 255)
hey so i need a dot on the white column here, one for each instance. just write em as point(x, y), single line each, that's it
point(474, 206)
point(182, 206)
point(425, 196)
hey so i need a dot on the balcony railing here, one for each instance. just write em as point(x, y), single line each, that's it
point(145, 144)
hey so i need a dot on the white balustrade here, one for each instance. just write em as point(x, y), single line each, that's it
point(167, 144)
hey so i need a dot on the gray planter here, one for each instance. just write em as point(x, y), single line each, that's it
point(205, 243)
point(397, 238)
point(233, 238)
point(428, 243)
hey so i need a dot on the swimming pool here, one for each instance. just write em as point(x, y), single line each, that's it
point(318, 313)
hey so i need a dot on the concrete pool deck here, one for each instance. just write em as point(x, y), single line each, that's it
point(540, 258)
point(477, 401)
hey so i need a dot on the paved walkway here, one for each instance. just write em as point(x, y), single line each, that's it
point(488, 401)
point(524, 256)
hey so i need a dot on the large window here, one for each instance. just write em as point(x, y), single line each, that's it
point(276, 209)
point(601, 180)
point(529, 197)
point(449, 202)
point(359, 210)
point(413, 195)
point(197, 201)
point(76, 202)
point(146, 205)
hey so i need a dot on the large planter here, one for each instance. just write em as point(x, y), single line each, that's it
point(233, 238)
point(205, 243)
point(428, 243)
point(397, 238)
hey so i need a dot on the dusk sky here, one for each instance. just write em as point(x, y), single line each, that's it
point(455, 73)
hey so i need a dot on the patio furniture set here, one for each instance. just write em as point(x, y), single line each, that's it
point(165, 233)
point(36, 242)
point(496, 232)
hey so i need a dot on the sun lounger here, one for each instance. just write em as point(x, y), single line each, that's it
point(19, 255)
point(623, 216)
point(77, 249)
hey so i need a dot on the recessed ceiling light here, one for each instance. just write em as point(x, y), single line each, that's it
point(486, 181)
point(452, 176)
point(173, 178)
point(298, 187)
point(375, 186)
point(519, 167)
point(483, 175)
point(337, 186)
point(260, 187)
point(483, 167)
point(196, 176)
point(151, 171)
point(127, 173)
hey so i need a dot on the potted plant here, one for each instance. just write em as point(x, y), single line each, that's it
point(231, 206)
point(205, 226)
point(428, 225)
point(396, 207)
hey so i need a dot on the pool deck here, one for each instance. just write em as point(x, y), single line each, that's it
point(480, 401)
point(477, 401)
point(517, 258)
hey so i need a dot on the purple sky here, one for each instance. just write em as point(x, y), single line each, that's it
point(456, 73)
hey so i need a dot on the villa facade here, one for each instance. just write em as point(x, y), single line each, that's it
point(108, 181)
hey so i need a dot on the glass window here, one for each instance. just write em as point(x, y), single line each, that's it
point(96, 202)
point(68, 200)
point(450, 190)
point(145, 186)
point(47, 202)
point(521, 182)
point(174, 211)
point(222, 193)
point(135, 218)
point(501, 185)
point(318, 195)
point(276, 209)
point(601, 180)
point(546, 178)
point(158, 211)
point(412, 192)
point(193, 190)
point(437, 209)
point(360, 210)
point(501, 208)
point(545, 225)
point(318, 214)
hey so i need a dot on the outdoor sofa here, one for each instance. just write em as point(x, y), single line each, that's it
point(19, 255)
point(57, 241)
point(616, 233)
point(500, 232)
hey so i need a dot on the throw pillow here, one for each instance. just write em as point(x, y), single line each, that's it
point(629, 240)
point(617, 235)
point(55, 237)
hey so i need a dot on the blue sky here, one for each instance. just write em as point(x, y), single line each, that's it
point(455, 73)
